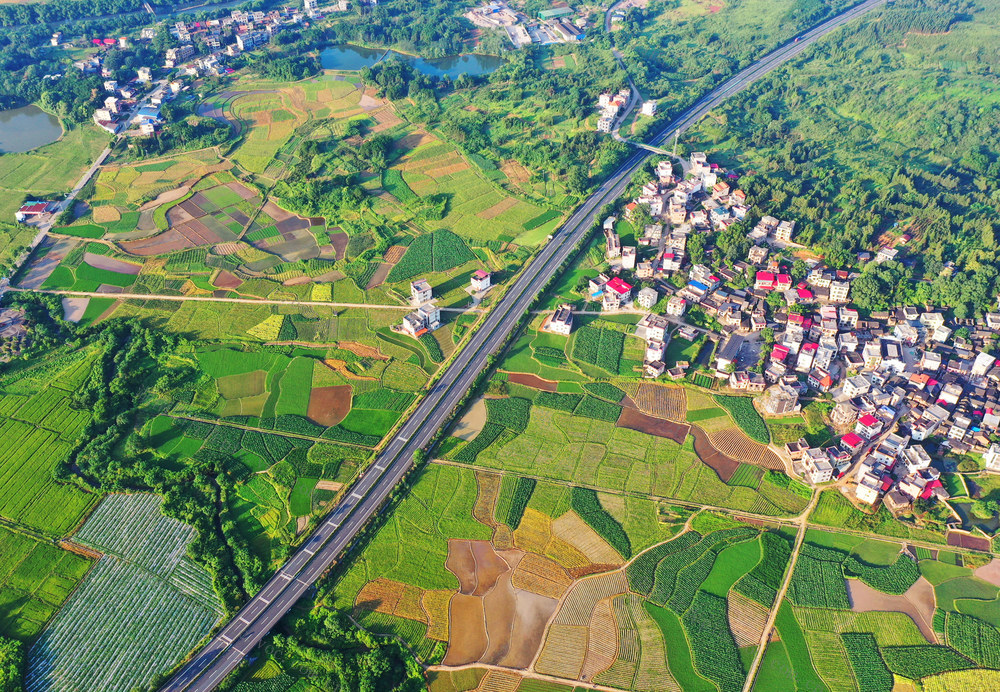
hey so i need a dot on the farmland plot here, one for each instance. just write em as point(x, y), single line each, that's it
point(138, 612)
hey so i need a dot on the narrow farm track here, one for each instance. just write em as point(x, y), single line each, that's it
point(215, 299)
point(362, 501)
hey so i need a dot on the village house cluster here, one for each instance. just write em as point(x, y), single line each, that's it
point(427, 315)
point(555, 25)
point(610, 105)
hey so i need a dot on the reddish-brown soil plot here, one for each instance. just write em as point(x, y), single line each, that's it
point(533, 381)
point(329, 405)
point(378, 278)
point(111, 264)
point(500, 605)
point(242, 190)
point(917, 602)
point(227, 280)
point(462, 564)
point(989, 572)
point(339, 242)
point(966, 540)
point(489, 566)
point(723, 465)
point(162, 243)
point(532, 613)
point(634, 419)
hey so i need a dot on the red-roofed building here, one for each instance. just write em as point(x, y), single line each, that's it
point(764, 280)
point(852, 442)
point(779, 353)
point(868, 426)
point(616, 293)
point(480, 280)
point(929, 489)
point(782, 282)
point(820, 379)
point(31, 210)
point(110, 41)
point(804, 294)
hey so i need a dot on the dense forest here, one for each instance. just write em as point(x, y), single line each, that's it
point(886, 128)
point(430, 29)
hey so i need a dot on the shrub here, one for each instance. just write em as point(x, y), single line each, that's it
point(522, 494)
point(559, 402)
point(598, 409)
point(716, 655)
point(916, 662)
point(746, 416)
point(393, 183)
point(894, 579)
point(585, 503)
point(512, 413)
point(605, 391)
point(870, 670)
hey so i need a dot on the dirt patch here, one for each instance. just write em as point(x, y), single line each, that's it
point(108, 288)
point(918, 602)
point(74, 308)
point(634, 419)
point(533, 381)
point(329, 485)
point(498, 208)
point(378, 278)
point(362, 350)
point(532, 612)
point(164, 197)
point(339, 242)
point(329, 405)
point(558, 63)
point(990, 572)
point(709, 455)
point(111, 264)
point(500, 605)
point(340, 366)
point(515, 172)
point(225, 279)
point(442, 171)
point(412, 141)
point(960, 539)
point(462, 564)
point(472, 422)
point(489, 566)
point(467, 631)
point(395, 253)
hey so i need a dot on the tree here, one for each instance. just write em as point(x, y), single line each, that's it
point(11, 662)
point(985, 509)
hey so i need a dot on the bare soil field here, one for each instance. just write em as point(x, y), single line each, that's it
point(329, 485)
point(472, 422)
point(339, 242)
point(467, 630)
point(111, 264)
point(961, 539)
point(633, 419)
point(498, 208)
point(74, 308)
point(378, 278)
point(723, 465)
point(533, 381)
point(362, 350)
point(734, 443)
point(225, 279)
point(918, 602)
point(329, 405)
point(990, 572)
point(395, 253)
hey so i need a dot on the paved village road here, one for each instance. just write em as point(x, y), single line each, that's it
point(335, 534)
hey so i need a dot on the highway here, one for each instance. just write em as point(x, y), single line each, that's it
point(337, 531)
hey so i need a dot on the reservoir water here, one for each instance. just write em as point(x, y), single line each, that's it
point(27, 128)
point(353, 58)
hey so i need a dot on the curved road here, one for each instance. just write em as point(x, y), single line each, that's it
point(335, 534)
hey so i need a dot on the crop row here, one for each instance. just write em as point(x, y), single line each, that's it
point(716, 655)
point(870, 670)
point(486, 437)
point(894, 579)
point(598, 409)
point(605, 390)
point(384, 399)
point(522, 494)
point(438, 251)
point(762, 582)
point(818, 583)
point(916, 662)
point(600, 347)
point(669, 568)
point(746, 416)
point(973, 638)
point(585, 503)
point(559, 402)
point(513, 413)
point(641, 571)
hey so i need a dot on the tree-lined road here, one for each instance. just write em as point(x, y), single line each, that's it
point(335, 534)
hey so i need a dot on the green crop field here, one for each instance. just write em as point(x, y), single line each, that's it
point(35, 579)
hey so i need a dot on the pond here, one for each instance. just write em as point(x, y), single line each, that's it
point(353, 58)
point(27, 128)
point(964, 510)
